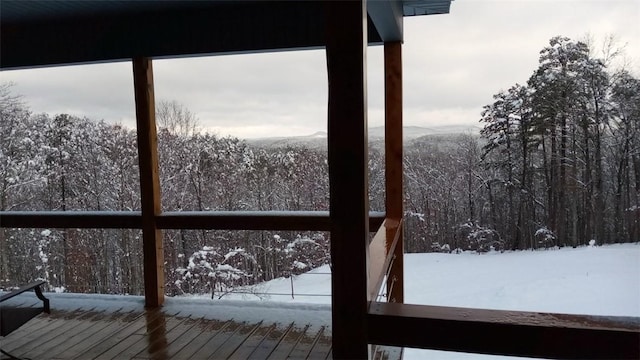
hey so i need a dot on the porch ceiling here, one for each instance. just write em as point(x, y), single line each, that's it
point(43, 33)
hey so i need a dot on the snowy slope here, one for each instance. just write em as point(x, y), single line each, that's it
point(588, 280)
point(312, 287)
point(603, 280)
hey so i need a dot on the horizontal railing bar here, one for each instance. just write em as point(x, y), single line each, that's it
point(274, 293)
point(71, 219)
point(514, 333)
point(254, 220)
point(211, 220)
point(381, 250)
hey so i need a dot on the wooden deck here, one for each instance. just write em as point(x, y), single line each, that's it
point(156, 335)
point(90, 332)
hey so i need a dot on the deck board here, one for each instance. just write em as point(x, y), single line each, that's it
point(234, 341)
point(35, 323)
point(112, 335)
point(187, 337)
point(116, 351)
point(132, 335)
point(37, 337)
point(322, 346)
point(288, 342)
point(217, 341)
point(304, 345)
point(70, 338)
point(203, 333)
point(270, 342)
point(95, 335)
point(154, 337)
point(252, 342)
point(158, 349)
point(157, 337)
point(118, 333)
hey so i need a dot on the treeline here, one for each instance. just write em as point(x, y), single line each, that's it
point(557, 164)
point(65, 163)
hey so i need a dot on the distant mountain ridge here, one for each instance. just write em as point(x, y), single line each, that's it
point(376, 133)
point(414, 132)
point(315, 140)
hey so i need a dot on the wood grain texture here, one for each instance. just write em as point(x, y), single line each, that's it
point(515, 333)
point(393, 161)
point(149, 181)
point(157, 334)
point(346, 34)
point(213, 220)
point(381, 254)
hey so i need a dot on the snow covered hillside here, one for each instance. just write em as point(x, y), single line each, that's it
point(602, 280)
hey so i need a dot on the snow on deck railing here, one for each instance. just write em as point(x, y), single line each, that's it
point(381, 250)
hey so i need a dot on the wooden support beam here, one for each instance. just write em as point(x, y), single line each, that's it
point(149, 182)
point(393, 160)
point(499, 332)
point(346, 35)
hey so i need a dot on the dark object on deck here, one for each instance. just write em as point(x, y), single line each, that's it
point(12, 317)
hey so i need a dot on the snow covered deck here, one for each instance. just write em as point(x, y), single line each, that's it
point(118, 327)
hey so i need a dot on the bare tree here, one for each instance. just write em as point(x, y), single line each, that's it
point(175, 118)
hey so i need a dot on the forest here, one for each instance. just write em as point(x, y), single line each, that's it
point(556, 163)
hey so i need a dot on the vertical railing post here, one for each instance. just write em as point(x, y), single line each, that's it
point(346, 41)
point(393, 160)
point(149, 182)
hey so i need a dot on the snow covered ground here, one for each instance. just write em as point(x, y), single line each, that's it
point(602, 280)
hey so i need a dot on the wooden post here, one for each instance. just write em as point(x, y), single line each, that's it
point(393, 160)
point(346, 36)
point(149, 182)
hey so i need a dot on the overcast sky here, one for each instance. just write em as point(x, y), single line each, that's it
point(453, 64)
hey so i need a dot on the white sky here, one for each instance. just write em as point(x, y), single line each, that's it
point(453, 64)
